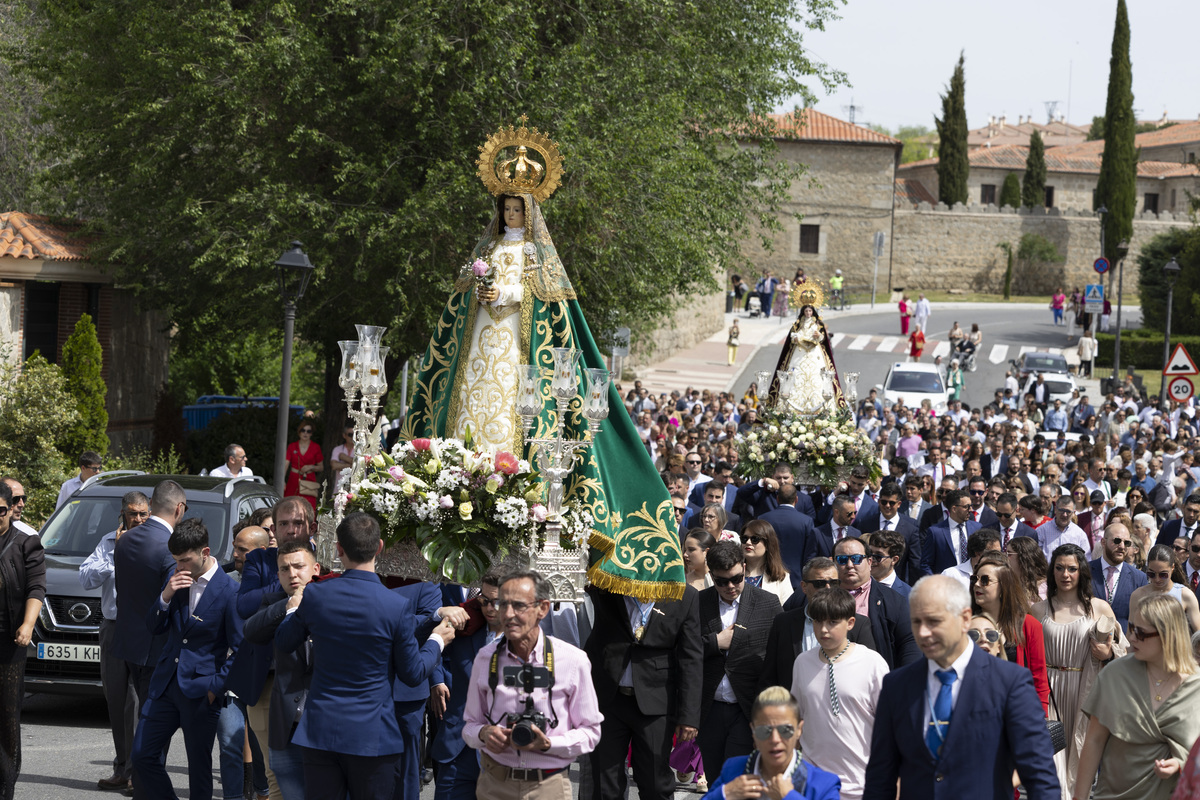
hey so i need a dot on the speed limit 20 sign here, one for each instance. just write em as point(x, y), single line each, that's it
point(1179, 389)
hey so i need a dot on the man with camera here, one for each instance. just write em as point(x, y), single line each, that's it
point(531, 708)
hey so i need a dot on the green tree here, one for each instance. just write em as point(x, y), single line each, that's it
point(953, 164)
point(918, 143)
point(1033, 187)
point(1034, 249)
point(82, 360)
point(1010, 192)
point(1116, 188)
point(1008, 264)
point(353, 125)
point(1096, 131)
point(1182, 244)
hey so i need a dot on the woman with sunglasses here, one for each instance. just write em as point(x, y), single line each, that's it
point(695, 546)
point(305, 463)
point(1081, 634)
point(995, 591)
point(775, 769)
point(764, 563)
point(982, 631)
point(1142, 711)
point(1166, 578)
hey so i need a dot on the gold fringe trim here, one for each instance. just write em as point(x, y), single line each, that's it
point(646, 591)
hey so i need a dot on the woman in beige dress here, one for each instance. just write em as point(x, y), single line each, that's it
point(1081, 634)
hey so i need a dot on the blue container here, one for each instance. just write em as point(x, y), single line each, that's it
point(196, 417)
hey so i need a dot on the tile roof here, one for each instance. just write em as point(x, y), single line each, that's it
point(913, 191)
point(1011, 156)
point(1175, 134)
point(36, 237)
point(1000, 132)
point(810, 125)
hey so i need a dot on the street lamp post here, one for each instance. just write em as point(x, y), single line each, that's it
point(1122, 251)
point(295, 271)
point(1171, 273)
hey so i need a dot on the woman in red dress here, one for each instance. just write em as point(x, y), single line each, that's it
point(916, 345)
point(904, 315)
point(305, 460)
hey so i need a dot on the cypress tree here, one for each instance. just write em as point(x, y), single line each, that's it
point(953, 164)
point(81, 362)
point(1033, 188)
point(1117, 187)
point(1010, 192)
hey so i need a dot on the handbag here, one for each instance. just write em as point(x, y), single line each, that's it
point(1058, 733)
point(309, 488)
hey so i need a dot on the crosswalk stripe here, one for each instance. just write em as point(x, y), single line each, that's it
point(998, 354)
point(942, 349)
point(859, 343)
point(887, 345)
point(1025, 349)
point(836, 339)
point(1058, 351)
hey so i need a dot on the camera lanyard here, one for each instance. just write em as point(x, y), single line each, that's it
point(494, 678)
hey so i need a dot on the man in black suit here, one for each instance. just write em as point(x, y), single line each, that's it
point(734, 621)
point(647, 666)
point(839, 526)
point(914, 506)
point(791, 633)
point(711, 492)
point(1187, 527)
point(758, 497)
point(795, 532)
point(890, 518)
point(1010, 524)
point(937, 512)
point(945, 544)
point(979, 511)
point(994, 463)
point(887, 610)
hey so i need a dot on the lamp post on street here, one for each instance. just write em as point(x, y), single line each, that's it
point(1122, 251)
point(1171, 273)
point(295, 271)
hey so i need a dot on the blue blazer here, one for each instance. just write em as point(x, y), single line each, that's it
point(456, 674)
point(142, 565)
point(901, 588)
point(825, 539)
point(819, 784)
point(909, 566)
point(426, 599)
point(939, 551)
point(364, 636)
point(260, 579)
point(696, 498)
point(1170, 530)
point(200, 645)
point(997, 726)
point(759, 501)
point(867, 509)
point(797, 539)
point(891, 626)
point(1130, 579)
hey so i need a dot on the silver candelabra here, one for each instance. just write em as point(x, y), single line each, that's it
point(362, 375)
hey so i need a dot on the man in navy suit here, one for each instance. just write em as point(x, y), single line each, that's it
point(914, 506)
point(758, 497)
point(956, 723)
point(885, 551)
point(197, 612)
point(1112, 578)
point(349, 730)
point(886, 608)
point(937, 512)
point(722, 474)
point(839, 526)
point(795, 532)
point(890, 518)
point(945, 543)
point(458, 765)
point(980, 513)
point(1187, 527)
point(1010, 524)
point(864, 504)
point(994, 463)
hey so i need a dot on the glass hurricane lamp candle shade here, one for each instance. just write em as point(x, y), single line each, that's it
point(529, 395)
point(563, 383)
point(348, 379)
point(374, 380)
point(852, 386)
point(762, 383)
point(787, 379)
point(595, 401)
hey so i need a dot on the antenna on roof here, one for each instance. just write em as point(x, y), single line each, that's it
point(1051, 110)
point(852, 110)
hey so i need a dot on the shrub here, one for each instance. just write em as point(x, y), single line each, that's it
point(81, 363)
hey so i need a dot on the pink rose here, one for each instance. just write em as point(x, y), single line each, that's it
point(480, 268)
point(420, 444)
point(397, 473)
point(538, 512)
point(507, 463)
point(446, 501)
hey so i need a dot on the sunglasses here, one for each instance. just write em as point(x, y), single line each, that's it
point(1161, 576)
point(978, 492)
point(754, 540)
point(843, 560)
point(889, 503)
point(984, 580)
point(1179, 549)
point(1121, 542)
point(1195, 548)
point(877, 557)
point(18, 499)
point(822, 584)
point(732, 580)
point(1141, 634)
point(690, 461)
point(785, 731)
point(991, 636)
point(680, 511)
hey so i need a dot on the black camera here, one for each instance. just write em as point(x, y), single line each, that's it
point(526, 678)
point(522, 726)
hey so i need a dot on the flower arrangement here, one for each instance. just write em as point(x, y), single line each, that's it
point(825, 446)
point(463, 508)
point(484, 273)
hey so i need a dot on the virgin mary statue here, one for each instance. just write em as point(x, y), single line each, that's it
point(808, 354)
point(516, 314)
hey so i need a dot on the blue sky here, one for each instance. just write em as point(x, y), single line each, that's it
point(898, 57)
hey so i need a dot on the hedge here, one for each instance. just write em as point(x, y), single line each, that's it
point(1141, 349)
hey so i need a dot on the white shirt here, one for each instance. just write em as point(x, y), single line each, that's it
point(728, 611)
point(1050, 537)
point(889, 580)
point(889, 523)
point(960, 572)
point(69, 487)
point(1190, 571)
point(933, 684)
point(223, 471)
point(196, 590)
point(639, 615)
point(170, 527)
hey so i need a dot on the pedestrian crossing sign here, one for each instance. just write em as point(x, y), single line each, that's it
point(1093, 299)
point(1180, 363)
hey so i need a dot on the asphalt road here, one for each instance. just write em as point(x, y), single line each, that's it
point(871, 343)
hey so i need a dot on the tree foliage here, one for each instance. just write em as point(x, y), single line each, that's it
point(200, 138)
point(82, 360)
point(20, 132)
point(917, 139)
point(1182, 244)
point(1008, 262)
point(1036, 249)
point(1116, 188)
point(1033, 186)
point(37, 415)
point(1010, 191)
point(953, 164)
point(1096, 131)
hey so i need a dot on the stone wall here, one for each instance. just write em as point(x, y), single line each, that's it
point(695, 319)
point(941, 248)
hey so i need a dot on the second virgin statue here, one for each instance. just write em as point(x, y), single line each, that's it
point(809, 354)
point(516, 314)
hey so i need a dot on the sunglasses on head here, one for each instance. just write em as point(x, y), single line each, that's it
point(991, 636)
point(854, 559)
point(732, 580)
point(1141, 634)
point(785, 731)
point(984, 580)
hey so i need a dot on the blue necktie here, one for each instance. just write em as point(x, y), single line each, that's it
point(939, 721)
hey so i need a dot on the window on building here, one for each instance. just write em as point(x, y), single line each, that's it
point(1172, 199)
point(1151, 203)
point(1049, 197)
point(810, 239)
point(987, 194)
point(41, 319)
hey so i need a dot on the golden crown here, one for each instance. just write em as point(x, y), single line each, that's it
point(809, 293)
point(534, 167)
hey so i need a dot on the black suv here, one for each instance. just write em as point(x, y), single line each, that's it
point(64, 655)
